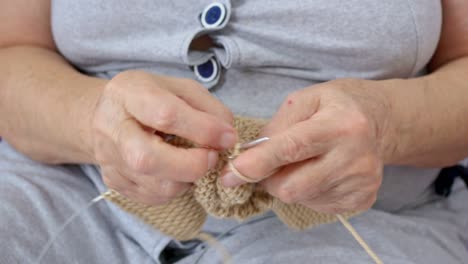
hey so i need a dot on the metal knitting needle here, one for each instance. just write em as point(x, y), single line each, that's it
point(250, 144)
point(253, 143)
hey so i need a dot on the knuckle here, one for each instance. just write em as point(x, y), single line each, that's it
point(356, 124)
point(292, 151)
point(137, 160)
point(287, 194)
point(166, 117)
point(360, 124)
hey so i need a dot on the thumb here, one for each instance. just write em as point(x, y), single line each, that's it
point(301, 141)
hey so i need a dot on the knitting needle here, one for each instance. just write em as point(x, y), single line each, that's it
point(250, 144)
point(245, 145)
point(253, 143)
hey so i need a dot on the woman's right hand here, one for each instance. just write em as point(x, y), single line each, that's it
point(138, 163)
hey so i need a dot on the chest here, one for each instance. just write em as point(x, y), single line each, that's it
point(311, 39)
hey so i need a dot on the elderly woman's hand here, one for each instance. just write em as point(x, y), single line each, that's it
point(135, 107)
point(324, 150)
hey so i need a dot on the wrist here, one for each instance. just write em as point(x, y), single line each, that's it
point(396, 126)
point(376, 103)
point(83, 114)
point(380, 111)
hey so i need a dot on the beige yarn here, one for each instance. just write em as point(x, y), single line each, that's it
point(183, 217)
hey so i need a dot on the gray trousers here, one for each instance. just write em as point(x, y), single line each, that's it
point(35, 199)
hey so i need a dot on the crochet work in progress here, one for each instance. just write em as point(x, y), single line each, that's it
point(183, 217)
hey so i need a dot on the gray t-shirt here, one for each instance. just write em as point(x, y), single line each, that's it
point(265, 50)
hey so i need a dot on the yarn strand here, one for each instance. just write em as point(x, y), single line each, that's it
point(219, 247)
point(227, 258)
point(60, 230)
point(359, 239)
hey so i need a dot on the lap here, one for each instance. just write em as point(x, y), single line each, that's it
point(36, 199)
point(433, 233)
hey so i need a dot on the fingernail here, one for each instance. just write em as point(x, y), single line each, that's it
point(231, 180)
point(228, 140)
point(212, 159)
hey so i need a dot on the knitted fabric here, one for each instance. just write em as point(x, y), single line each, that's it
point(183, 217)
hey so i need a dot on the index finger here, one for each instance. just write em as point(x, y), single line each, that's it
point(198, 97)
point(146, 154)
point(165, 112)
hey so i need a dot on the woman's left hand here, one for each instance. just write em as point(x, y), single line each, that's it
point(325, 148)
